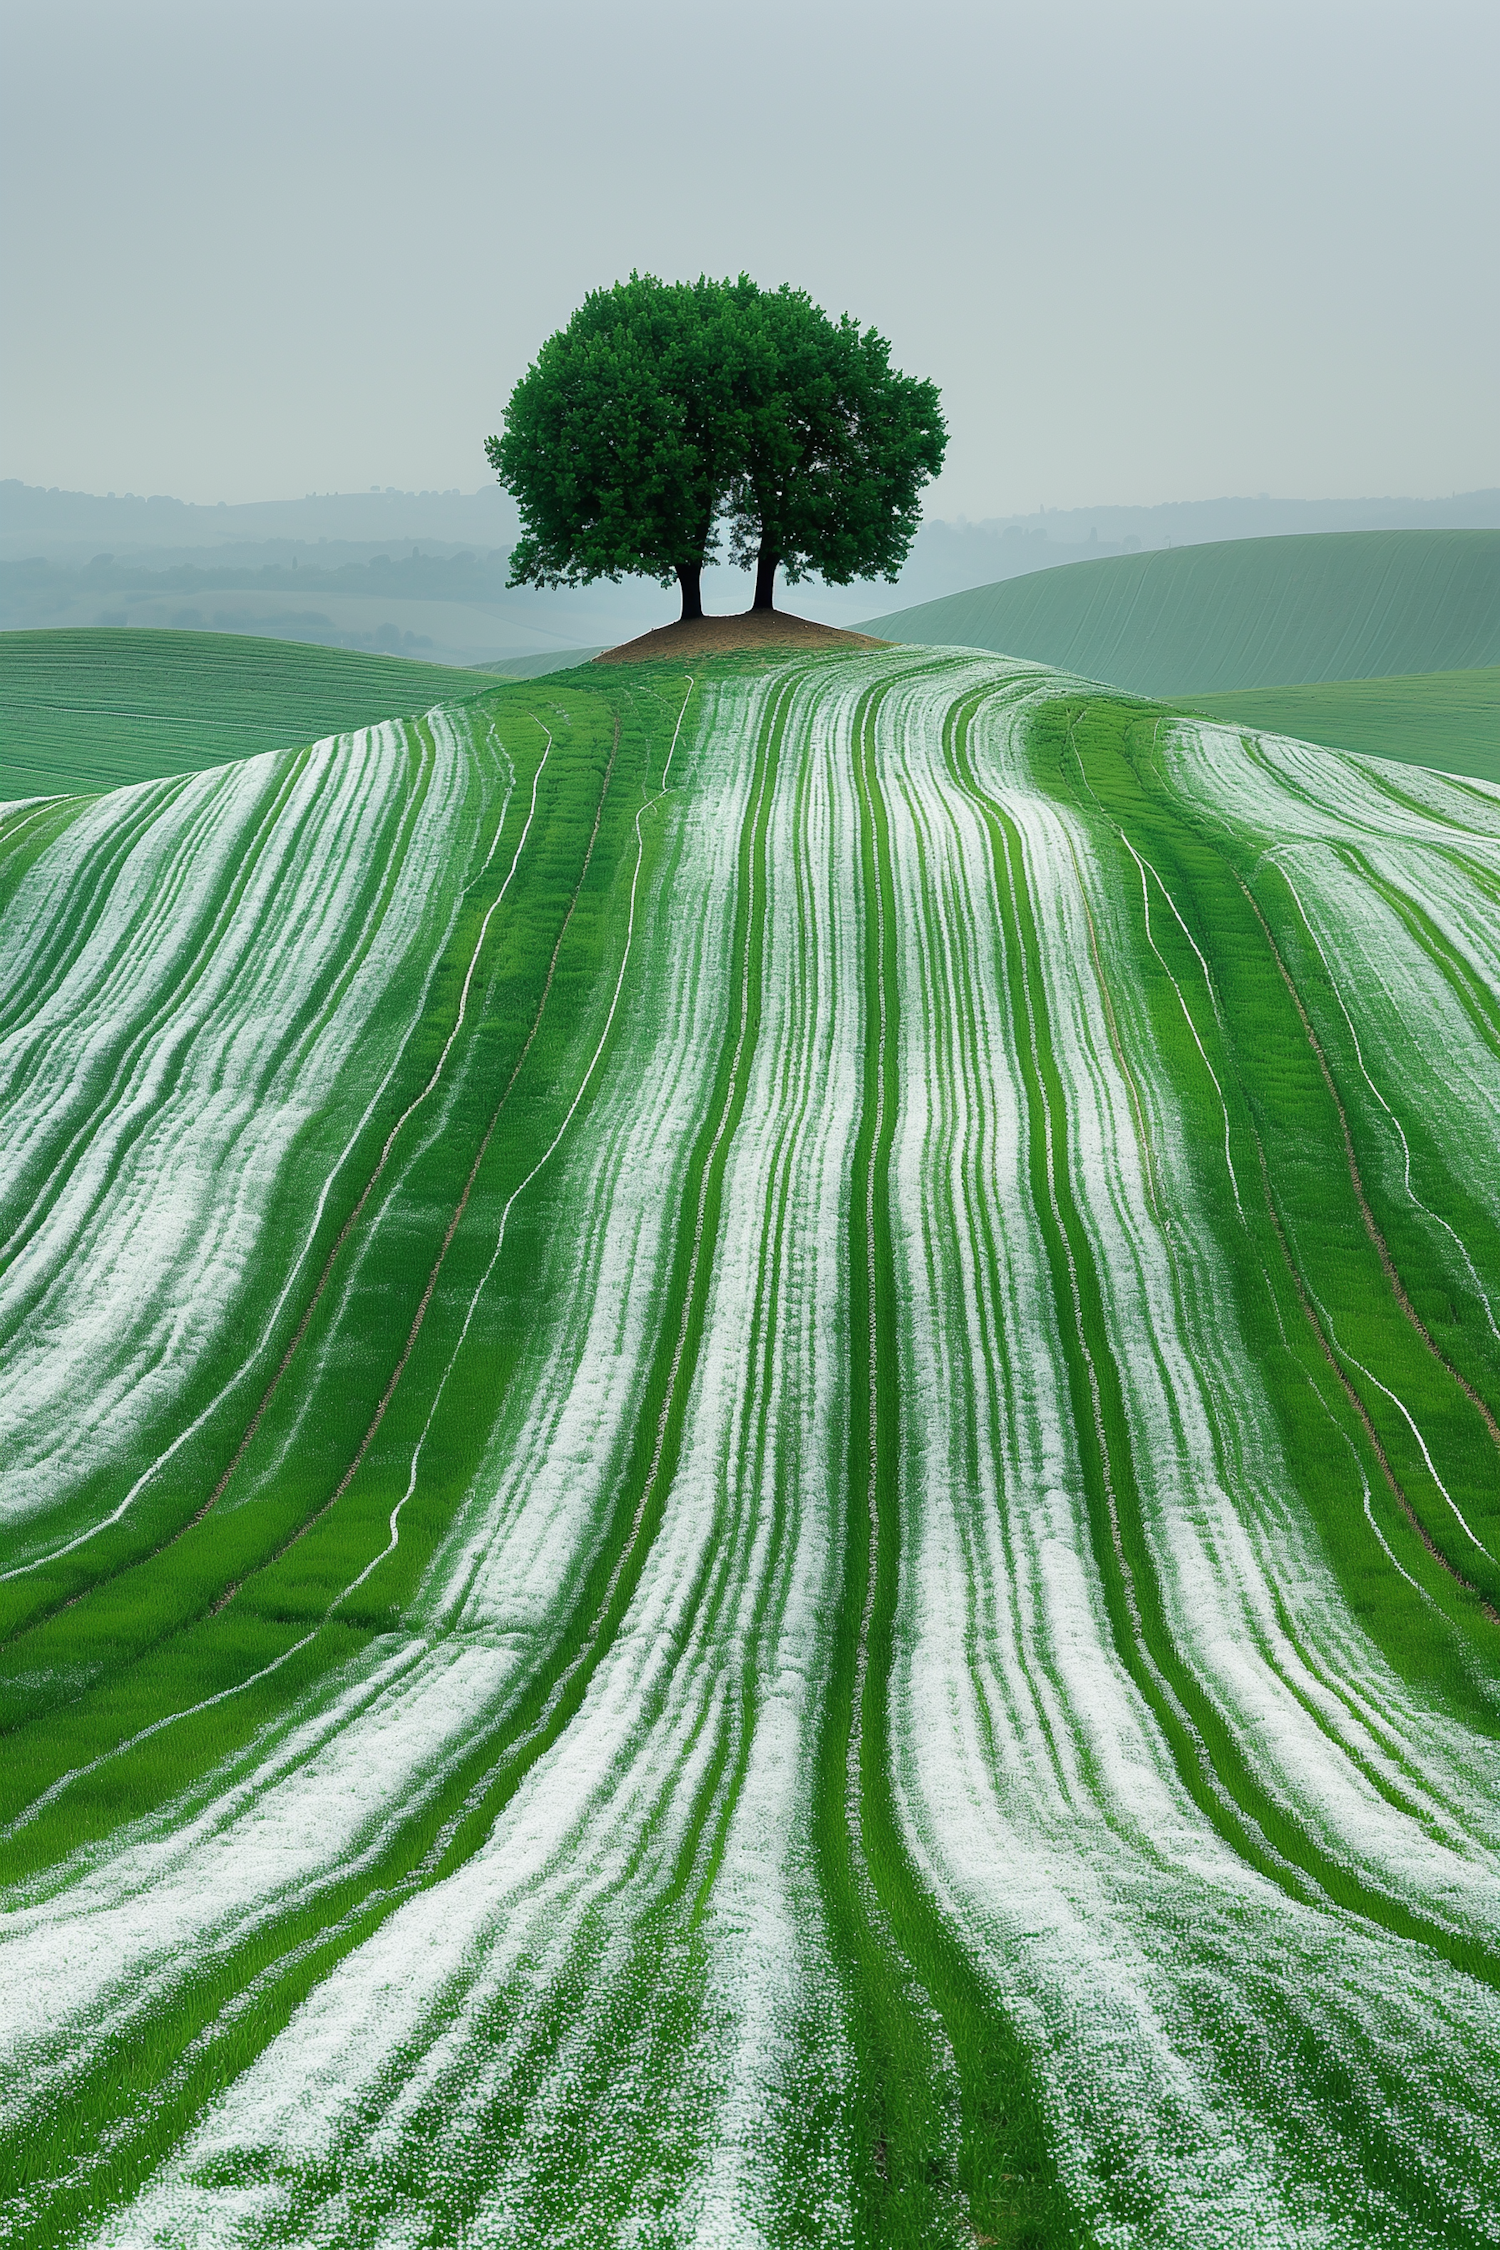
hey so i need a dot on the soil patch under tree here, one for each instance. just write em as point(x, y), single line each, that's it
point(722, 636)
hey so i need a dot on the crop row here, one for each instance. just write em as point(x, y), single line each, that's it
point(831, 1575)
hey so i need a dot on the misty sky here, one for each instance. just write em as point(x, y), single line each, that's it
point(1150, 252)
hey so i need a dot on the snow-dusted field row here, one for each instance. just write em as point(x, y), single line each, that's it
point(952, 1694)
point(196, 1014)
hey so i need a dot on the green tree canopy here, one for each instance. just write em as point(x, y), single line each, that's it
point(666, 409)
point(619, 441)
point(835, 445)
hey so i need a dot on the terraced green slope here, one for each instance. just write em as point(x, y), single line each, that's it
point(1450, 720)
point(1244, 614)
point(90, 709)
point(751, 1480)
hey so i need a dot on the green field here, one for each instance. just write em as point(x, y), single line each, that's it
point(1450, 720)
point(92, 708)
point(750, 1428)
point(1247, 613)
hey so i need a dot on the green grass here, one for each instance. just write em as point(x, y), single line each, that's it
point(1245, 613)
point(93, 708)
point(140, 1609)
point(176, 1605)
point(1450, 720)
point(942, 2101)
point(1304, 1234)
point(950, 2095)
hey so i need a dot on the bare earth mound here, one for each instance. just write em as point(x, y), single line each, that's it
point(723, 636)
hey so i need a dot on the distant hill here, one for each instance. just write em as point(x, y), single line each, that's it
point(1244, 613)
point(423, 574)
point(416, 574)
point(40, 520)
point(89, 710)
point(1445, 719)
point(449, 609)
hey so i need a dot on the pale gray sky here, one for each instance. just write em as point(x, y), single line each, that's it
point(1150, 250)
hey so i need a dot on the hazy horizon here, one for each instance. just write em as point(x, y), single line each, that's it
point(426, 573)
point(960, 519)
point(1150, 253)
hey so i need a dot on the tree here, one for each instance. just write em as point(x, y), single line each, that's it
point(664, 407)
point(836, 446)
point(620, 440)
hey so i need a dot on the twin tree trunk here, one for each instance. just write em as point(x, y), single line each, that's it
point(690, 579)
point(765, 580)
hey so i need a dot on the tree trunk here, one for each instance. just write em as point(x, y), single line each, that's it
point(690, 579)
point(765, 580)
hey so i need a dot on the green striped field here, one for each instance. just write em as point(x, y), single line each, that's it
point(751, 1435)
point(1243, 613)
point(91, 708)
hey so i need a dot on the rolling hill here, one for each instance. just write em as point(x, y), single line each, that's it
point(1450, 720)
point(751, 1499)
point(1248, 613)
point(94, 708)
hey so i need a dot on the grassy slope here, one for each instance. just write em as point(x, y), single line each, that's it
point(90, 709)
point(1245, 614)
point(168, 1608)
point(536, 667)
point(160, 1622)
point(166, 1580)
point(1450, 720)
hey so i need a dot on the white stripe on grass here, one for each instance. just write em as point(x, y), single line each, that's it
point(153, 1233)
point(1425, 1042)
point(1200, 1423)
point(1410, 1420)
point(591, 1839)
point(1437, 1218)
point(1055, 1816)
point(1290, 787)
point(165, 1897)
point(576, 1983)
point(1142, 865)
point(1442, 851)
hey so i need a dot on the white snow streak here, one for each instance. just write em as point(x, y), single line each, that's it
point(633, 1958)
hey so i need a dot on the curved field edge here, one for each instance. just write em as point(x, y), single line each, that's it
point(1450, 720)
point(948, 1539)
point(98, 707)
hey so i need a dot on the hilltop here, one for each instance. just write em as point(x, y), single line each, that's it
point(722, 636)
